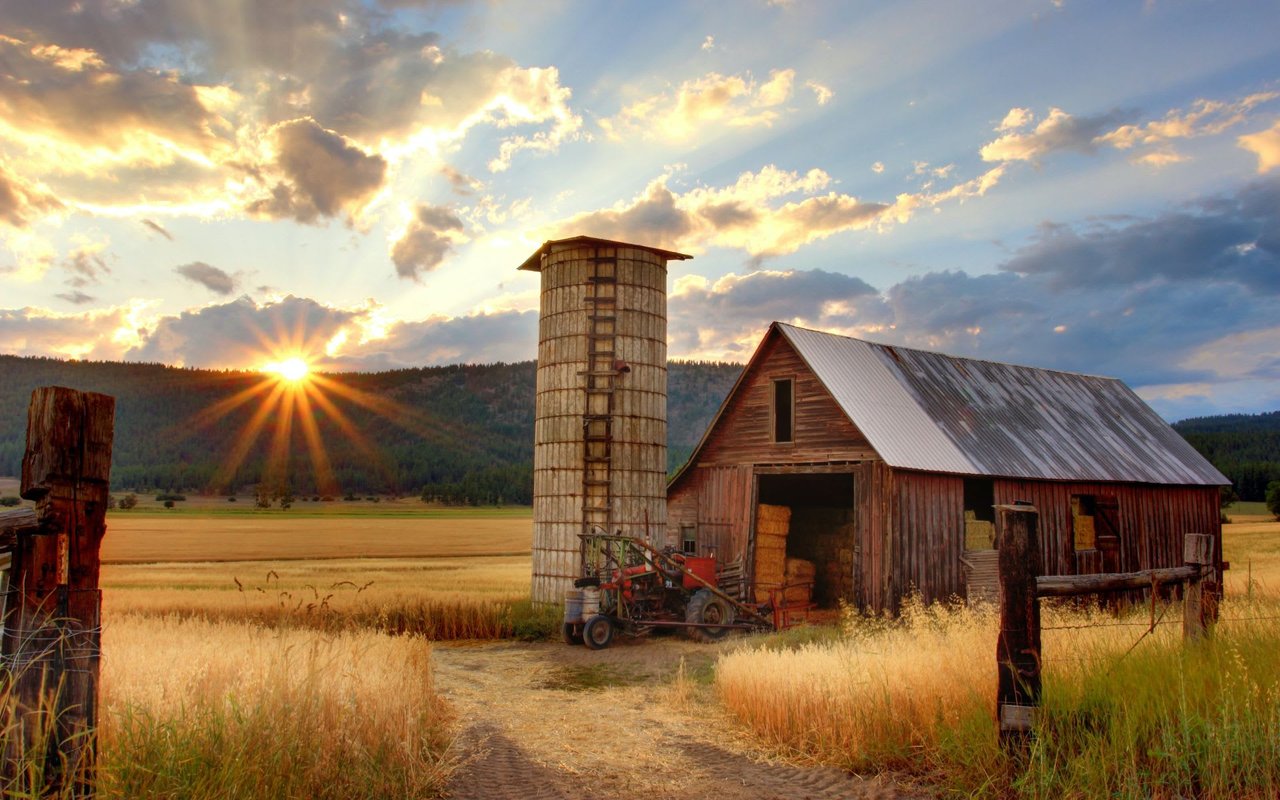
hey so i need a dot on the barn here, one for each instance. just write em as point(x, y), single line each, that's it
point(882, 465)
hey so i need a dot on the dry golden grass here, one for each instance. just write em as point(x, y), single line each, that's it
point(279, 536)
point(201, 709)
point(918, 695)
point(1252, 546)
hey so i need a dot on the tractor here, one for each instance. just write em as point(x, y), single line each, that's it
point(631, 587)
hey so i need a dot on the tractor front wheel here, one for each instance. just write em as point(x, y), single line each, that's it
point(709, 611)
point(597, 633)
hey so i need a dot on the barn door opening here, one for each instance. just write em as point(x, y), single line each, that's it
point(820, 528)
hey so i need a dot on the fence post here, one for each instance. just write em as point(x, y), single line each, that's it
point(1197, 551)
point(52, 631)
point(1018, 648)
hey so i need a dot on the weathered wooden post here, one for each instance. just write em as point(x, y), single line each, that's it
point(52, 631)
point(1018, 648)
point(1197, 551)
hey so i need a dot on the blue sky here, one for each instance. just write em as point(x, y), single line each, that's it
point(1084, 186)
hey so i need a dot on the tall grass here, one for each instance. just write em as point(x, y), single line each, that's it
point(213, 710)
point(918, 696)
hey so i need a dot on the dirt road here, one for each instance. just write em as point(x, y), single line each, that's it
point(549, 721)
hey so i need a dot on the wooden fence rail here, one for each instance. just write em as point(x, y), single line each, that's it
point(1018, 654)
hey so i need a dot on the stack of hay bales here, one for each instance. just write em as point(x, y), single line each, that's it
point(978, 533)
point(772, 525)
point(799, 579)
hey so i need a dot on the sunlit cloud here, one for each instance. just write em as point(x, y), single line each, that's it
point(208, 276)
point(733, 100)
point(430, 235)
point(1265, 145)
point(766, 213)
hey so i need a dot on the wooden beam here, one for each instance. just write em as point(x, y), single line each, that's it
point(1071, 585)
point(1197, 553)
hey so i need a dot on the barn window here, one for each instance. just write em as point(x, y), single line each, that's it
point(1084, 510)
point(689, 538)
point(783, 405)
point(979, 514)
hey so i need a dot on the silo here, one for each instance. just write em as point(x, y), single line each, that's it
point(600, 415)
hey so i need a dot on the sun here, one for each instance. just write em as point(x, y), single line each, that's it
point(292, 370)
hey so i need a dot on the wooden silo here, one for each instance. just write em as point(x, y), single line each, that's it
point(600, 427)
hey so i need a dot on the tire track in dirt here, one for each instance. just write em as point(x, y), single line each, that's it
point(549, 721)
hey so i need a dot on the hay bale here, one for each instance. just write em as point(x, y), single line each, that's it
point(773, 528)
point(798, 569)
point(768, 513)
point(797, 595)
point(979, 535)
point(770, 542)
point(771, 564)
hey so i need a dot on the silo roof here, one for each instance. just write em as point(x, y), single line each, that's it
point(938, 413)
point(534, 262)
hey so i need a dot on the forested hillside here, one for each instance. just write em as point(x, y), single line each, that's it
point(1245, 447)
point(459, 433)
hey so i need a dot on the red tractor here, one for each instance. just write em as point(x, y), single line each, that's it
point(632, 587)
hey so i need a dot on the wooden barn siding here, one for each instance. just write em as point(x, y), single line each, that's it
point(743, 434)
point(718, 499)
point(926, 535)
point(1152, 519)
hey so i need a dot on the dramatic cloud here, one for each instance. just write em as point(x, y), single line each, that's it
point(426, 241)
point(22, 202)
point(1266, 146)
point(736, 100)
point(208, 276)
point(326, 174)
point(753, 214)
point(243, 333)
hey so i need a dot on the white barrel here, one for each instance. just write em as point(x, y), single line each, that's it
point(573, 606)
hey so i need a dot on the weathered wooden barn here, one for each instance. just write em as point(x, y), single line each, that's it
point(890, 460)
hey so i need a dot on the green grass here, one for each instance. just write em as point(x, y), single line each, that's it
point(1248, 508)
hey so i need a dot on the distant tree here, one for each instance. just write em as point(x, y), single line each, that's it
point(231, 499)
point(10, 501)
point(129, 501)
point(286, 498)
point(263, 496)
point(168, 504)
point(1273, 498)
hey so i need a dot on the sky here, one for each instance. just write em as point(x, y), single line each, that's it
point(1087, 186)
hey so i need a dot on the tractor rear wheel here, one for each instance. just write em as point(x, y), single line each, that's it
point(710, 610)
point(597, 633)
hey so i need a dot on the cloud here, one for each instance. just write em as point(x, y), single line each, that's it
point(1152, 141)
point(754, 213)
point(161, 105)
point(1056, 132)
point(733, 100)
point(1204, 118)
point(325, 174)
point(1075, 298)
point(157, 227)
point(709, 43)
point(1234, 238)
point(244, 334)
point(462, 184)
point(86, 263)
point(22, 202)
point(77, 298)
point(208, 276)
point(100, 334)
point(1265, 145)
point(426, 241)
point(69, 111)
point(471, 339)
point(878, 167)
point(822, 94)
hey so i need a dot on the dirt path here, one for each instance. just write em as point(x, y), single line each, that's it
point(552, 721)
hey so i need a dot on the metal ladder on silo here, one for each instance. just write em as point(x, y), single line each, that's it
point(597, 419)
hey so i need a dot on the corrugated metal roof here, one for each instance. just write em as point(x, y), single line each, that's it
point(939, 413)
